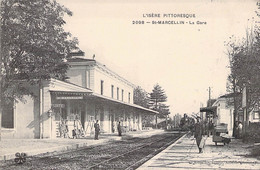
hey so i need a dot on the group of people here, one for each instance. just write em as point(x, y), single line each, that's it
point(97, 129)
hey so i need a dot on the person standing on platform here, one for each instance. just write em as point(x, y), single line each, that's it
point(199, 134)
point(97, 129)
point(236, 130)
point(240, 130)
point(119, 129)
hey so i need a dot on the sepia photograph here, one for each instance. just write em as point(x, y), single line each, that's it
point(137, 84)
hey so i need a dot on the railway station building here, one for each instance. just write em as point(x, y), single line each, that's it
point(64, 108)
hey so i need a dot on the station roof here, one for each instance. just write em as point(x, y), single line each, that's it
point(78, 59)
point(61, 87)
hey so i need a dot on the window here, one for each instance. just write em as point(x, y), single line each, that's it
point(117, 93)
point(8, 115)
point(112, 91)
point(122, 95)
point(87, 79)
point(256, 115)
point(102, 87)
point(129, 97)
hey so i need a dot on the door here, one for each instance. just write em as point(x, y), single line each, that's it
point(112, 123)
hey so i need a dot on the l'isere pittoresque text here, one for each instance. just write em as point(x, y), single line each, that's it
point(169, 19)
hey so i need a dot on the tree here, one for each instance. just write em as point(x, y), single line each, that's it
point(34, 45)
point(163, 110)
point(141, 97)
point(157, 100)
point(157, 96)
point(233, 50)
point(244, 59)
point(0, 71)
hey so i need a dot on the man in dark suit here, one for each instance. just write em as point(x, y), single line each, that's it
point(97, 129)
point(199, 133)
point(119, 129)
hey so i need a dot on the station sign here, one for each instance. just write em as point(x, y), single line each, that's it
point(58, 105)
point(70, 97)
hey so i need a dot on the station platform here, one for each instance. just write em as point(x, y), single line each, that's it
point(8, 147)
point(184, 154)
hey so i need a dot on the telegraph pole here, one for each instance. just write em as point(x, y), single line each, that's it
point(209, 96)
point(156, 114)
point(245, 106)
point(209, 93)
point(235, 115)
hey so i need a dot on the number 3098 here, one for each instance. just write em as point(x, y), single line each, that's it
point(138, 22)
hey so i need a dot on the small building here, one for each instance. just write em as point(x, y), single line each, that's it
point(221, 111)
point(64, 108)
point(224, 111)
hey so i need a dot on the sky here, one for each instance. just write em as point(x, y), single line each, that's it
point(184, 59)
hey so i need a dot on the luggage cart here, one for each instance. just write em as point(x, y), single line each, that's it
point(220, 134)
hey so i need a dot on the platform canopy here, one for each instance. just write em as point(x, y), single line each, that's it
point(114, 101)
point(65, 88)
point(209, 109)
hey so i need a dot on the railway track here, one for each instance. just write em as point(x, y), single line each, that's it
point(147, 151)
point(126, 154)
